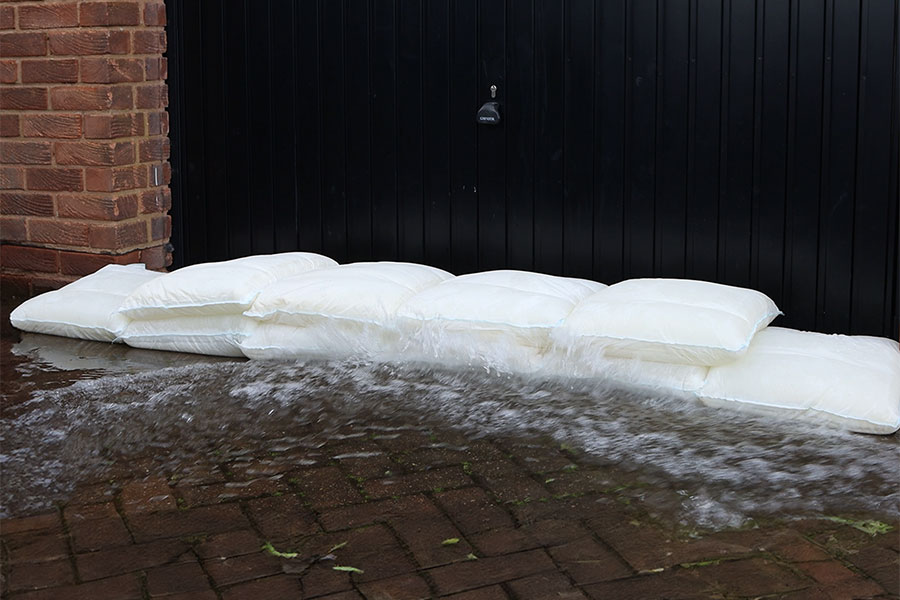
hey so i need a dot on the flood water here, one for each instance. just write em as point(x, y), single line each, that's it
point(70, 405)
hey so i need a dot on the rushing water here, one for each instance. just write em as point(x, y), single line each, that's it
point(724, 466)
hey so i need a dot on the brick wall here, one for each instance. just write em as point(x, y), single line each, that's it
point(84, 153)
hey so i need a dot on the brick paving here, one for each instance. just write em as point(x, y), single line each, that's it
point(414, 516)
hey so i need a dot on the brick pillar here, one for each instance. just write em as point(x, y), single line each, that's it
point(84, 150)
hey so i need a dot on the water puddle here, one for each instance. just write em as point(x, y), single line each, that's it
point(718, 467)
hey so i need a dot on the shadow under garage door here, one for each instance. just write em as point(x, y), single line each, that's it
point(753, 143)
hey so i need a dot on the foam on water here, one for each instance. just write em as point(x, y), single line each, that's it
point(721, 467)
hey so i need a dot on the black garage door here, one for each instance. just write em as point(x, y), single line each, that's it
point(748, 142)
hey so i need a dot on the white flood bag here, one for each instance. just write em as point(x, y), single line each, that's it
point(668, 321)
point(86, 309)
point(199, 308)
point(496, 319)
point(849, 381)
point(348, 310)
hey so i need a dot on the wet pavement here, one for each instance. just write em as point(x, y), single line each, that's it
point(139, 474)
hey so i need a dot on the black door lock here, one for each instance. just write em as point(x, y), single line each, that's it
point(489, 113)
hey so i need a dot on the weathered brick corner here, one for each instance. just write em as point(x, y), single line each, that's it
point(84, 150)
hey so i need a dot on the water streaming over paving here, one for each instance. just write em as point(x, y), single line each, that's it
point(75, 404)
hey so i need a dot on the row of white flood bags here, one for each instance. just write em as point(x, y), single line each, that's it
point(693, 338)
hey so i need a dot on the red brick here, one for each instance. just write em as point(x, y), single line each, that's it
point(110, 13)
point(126, 587)
point(156, 258)
point(12, 203)
point(36, 576)
point(15, 286)
point(64, 233)
point(8, 17)
point(149, 42)
point(28, 258)
point(52, 126)
point(155, 149)
point(147, 495)
point(586, 562)
point(411, 587)
point(269, 588)
point(98, 534)
point(157, 123)
point(85, 263)
point(486, 571)
point(152, 96)
point(196, 521)
point(156, 68)
point(113, 126)
point(100, 208)
point(154, 14)
point(546, 585)
point(120, 235)
point(48, 16)
point(112, 70)
point(122, 97)
point(752, 577)
point(25, 153)
point(226, 545)
point(9, 125)
point(94, 153)
point(156, 201)
point(227, 571)
point(88, 42)
point(12, 178)
point(98, 97)
point(12, 98)
point(177, 578)
point(281, 517)
point(9, 71)
point(112, 180)
point(12, 229)
point(139, 557)
point(473, 511)
point(23, 44)
point(494, 592)
point(48, 282)
point(54, 179)
point(50, 71)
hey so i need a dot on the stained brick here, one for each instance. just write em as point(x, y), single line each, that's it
point(269, 588)
point(25, 98)
point(158, 123)
point(13, 203)
point(112, 70)
point(238, 569)
point(9, 71)
point(54, 179)
point(28, 258)
point(65, 233)
point(88, 42)
point(50, 71)
point(101, 208)
point(23, 44)
point(52, 126)
point(109, 13)
point(94, 153)
point(9, 125)
point(120, 235)
point(175, 524)
point(48, 16)
point(28, 547)
point(106, 563)
point(25, 153)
